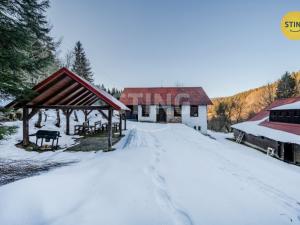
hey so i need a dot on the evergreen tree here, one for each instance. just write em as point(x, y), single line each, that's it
point(26, 47)
point(286, 86)
point(81, 65)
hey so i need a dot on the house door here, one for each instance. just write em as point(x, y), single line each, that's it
point(161, 115)
point(288, 152)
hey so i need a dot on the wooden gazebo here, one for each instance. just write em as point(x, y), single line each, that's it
point(67, 91)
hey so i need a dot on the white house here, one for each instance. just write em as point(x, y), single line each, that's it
point(186, 105)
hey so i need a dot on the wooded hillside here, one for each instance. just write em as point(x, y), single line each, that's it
point(245, 104)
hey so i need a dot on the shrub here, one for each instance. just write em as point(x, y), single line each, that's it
point(7, 130)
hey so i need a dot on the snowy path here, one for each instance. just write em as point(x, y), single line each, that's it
point(162, 174)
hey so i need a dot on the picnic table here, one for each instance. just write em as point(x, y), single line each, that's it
point(47, 135)
point(86, 128)
point(98, 126)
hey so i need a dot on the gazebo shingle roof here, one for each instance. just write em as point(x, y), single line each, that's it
point(65, 88)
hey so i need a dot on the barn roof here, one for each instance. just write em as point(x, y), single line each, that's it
point(278, 103)
point(260, 125)
point(65, 88)
point(165, 96)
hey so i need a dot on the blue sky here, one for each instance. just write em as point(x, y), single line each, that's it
point(224, 46)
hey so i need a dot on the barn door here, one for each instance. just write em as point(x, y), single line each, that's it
point(288, 152)
point(161, 115)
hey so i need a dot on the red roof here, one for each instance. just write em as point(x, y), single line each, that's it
point(165, 96)
point(67, 88)
point(287, 127)
point(265, 112)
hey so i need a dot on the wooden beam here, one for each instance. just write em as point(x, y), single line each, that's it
point(74, 107)
point(32, 113)
point(103, 114)
point(84, 99)
point(51, 92)
point(40, 88)
point(90, 101)
point(79, 98)
point(70, 97)
point(62, 95)
point(25, 127)
point(110, 113)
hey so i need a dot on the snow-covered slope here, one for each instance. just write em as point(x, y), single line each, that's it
point(160, 174)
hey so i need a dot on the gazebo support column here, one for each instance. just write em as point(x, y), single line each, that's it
point(25, 127)
point(85, 115)
point(125, 127)
point(120, 124)
point(68, 114)
point(110, 112)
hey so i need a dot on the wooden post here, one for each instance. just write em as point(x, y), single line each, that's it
point(25, 127)
point(110, 112)
point(68, 113)
point(85, 115)
point(120, 124)
point(67, 123)
point(125, 128)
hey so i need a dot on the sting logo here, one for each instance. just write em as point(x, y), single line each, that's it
point(290, 25)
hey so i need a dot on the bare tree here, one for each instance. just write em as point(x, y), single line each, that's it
point(296, 77)
point(268, 95)
point(68, 59)
point(57, 118)
point(38, 123)
point(46, 116)
point(238, 107)
point(75, 115)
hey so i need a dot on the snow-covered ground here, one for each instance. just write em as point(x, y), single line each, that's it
point(162, 174)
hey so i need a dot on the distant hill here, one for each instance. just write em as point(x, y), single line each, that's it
point(253, 100)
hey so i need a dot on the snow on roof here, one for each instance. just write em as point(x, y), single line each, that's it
point(295, 105)
point(280, 102)
point(4, 102)
point(112, 99)
point(255, 128)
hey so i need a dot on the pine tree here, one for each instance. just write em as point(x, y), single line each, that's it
point(26, 47)
point(286, 86)
point(81, 65)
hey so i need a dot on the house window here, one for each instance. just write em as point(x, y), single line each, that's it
point(177, 111)
point(145, 110)
point(194, 111)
